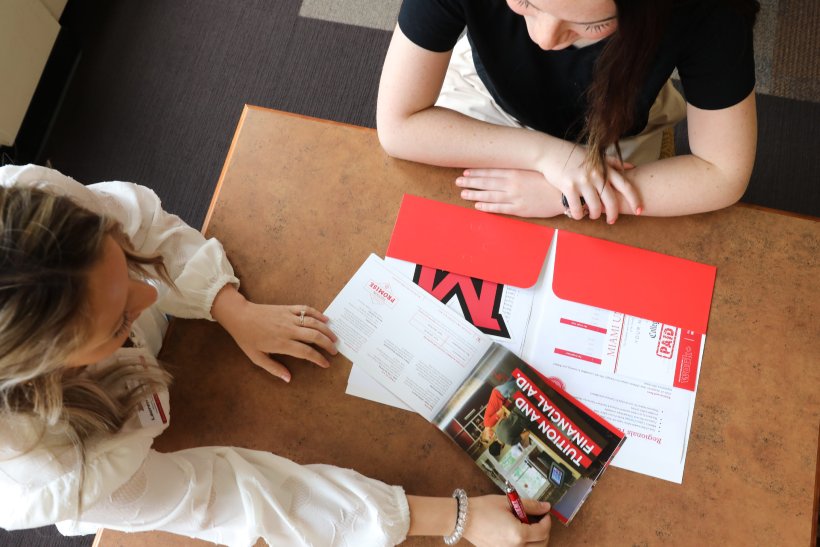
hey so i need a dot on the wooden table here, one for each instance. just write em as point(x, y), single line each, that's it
point(302, 202)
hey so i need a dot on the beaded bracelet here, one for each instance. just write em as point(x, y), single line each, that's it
point(461, 499)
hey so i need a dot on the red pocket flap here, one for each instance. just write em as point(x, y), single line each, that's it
point(637, 282)
point(469, 242)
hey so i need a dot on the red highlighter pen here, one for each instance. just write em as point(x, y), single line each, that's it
point(515, 503)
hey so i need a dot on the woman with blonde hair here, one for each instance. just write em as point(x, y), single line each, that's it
point(87, 276)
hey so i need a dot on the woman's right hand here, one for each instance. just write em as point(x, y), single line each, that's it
point(491, 523)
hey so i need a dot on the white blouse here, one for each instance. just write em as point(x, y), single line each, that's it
point(225, 495)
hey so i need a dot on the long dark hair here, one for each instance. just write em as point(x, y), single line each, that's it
point(622, 67)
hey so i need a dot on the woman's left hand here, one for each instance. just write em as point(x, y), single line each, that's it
point(511, 191)
point(260, 330)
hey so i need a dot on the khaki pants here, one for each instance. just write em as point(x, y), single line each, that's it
point(464, 92)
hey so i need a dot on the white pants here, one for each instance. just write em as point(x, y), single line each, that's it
point(464, 92)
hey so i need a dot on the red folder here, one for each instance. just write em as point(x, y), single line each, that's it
point(469, 242)
point(591, 271)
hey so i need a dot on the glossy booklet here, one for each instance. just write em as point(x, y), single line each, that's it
point(521, 428)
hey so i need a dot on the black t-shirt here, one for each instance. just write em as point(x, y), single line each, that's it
point(708, 42)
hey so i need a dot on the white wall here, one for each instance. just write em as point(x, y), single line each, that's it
point(28, 29)
point(55, 7)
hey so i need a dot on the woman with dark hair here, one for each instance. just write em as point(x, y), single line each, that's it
point(559, 106)
point(87, 274)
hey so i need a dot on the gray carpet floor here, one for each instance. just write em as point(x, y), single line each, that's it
point(160, 86)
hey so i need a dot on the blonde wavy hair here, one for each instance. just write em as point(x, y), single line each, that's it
point(47, 245)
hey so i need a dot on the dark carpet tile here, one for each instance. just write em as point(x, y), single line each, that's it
point(48, 536)
point(796, 70)
point(159, 92)
point(786, 169)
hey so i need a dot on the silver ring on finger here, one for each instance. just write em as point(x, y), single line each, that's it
point(302, 318)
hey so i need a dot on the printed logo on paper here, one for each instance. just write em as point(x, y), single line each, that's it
point(381, 293)
point(480, 300)
point(666, 342)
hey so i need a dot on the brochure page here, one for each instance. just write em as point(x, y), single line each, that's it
point(502, 312)
point(403, 337)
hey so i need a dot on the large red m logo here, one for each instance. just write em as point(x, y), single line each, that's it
point(480, 300)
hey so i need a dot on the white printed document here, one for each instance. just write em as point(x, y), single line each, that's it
point(403, 337)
